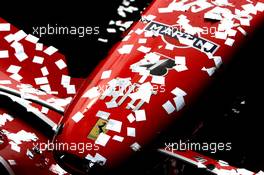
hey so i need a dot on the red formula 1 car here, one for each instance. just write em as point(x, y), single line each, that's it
point(146, 82)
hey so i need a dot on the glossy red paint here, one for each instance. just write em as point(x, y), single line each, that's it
point(192, 81)
point(20, 161)
point(25, 96)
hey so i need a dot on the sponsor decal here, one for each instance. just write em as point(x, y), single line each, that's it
point(99, 127)
point(172, 34)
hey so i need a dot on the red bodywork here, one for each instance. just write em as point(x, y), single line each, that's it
point(181, 86)
point(19, 83)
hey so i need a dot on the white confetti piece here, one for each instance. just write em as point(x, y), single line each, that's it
point(18, 47)
point(102, 139)
point(111, 30)
point(229, 41)
point(158, 80)
point(32, 39)
point(139, 31)
point(179, 101)
point(114, 125)
point(223, 163)
point(143, 79)
point(12, 162)
point(5, 82)
point(15, 147)
point(149, 17)
point(140, 115)
point(44, 110)
point(126, 38)
point(242, 31)
point(103, 115)
point(144, 49)
point(106, 74)
point(244, 171)
point(46, 88)
point(144, 92)
point(38, 59)
point(142, 40)
point(180, 60)
point(180, 68)
point(218, 61)
point(65, 80)
point(185, 41)
point(165, 10)
point(61, 64)
point(221, 3)
point(118, 138)
point(57, 169)
point(169, 47)
point(41, 80)
point(135, 146)
point(111, 104)
point(178, 92)
point(152, 57)
point(221, 35)
point(200, 165)
point(213, 15)
point(21, 136)
point(169, 108)
point(231, 32)
point(39, 47)
point(111, 22)
point(125, 25)
point(71, 89)
point(4, 54)
point(92, 93)
point(4, 27)
point(210, 71)
point(16, 77)
point(4, 118)
point(103, 40)
point(98, 158)
point(250, 8)
point(131, 118)
point(50, 50)
point(77, 117)
point(125, 49)
point(19, 35)
point(260, 173)
point(148, 34)
point(13, 69)
point(21, 56)
point(131, 132)
point(9, 38)
point(260, 6)
point(44, 71)
point(245, 22)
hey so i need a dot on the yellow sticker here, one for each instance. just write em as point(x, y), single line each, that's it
point(98, 128)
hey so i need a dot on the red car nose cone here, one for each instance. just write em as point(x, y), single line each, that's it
point(148, 80)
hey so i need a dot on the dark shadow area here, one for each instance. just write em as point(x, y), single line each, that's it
point(82, 53)
point(16, 110)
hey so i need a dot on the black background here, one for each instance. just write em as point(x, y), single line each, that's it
point(83, 54)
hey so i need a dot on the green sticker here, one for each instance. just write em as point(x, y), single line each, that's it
point(100, 127)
